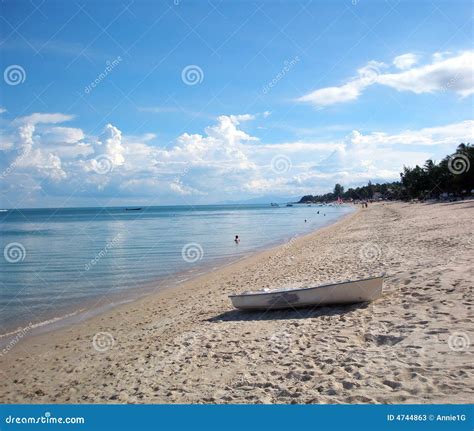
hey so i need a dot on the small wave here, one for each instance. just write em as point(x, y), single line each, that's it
point(40, 324)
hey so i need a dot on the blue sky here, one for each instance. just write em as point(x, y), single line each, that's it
point(118, 102)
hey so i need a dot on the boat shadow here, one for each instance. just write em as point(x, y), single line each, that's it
point(286, 314)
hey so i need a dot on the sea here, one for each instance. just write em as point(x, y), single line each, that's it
point(61, 265)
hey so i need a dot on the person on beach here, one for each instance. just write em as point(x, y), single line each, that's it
point(237, 239)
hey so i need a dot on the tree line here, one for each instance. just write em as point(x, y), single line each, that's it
point(453, 176)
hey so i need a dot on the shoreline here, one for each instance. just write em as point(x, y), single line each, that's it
point(188, 345)
point(95, 307)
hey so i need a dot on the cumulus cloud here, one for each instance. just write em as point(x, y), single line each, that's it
point(452, 73)
point(2, 110)
point(224, 162)
point(110, 144)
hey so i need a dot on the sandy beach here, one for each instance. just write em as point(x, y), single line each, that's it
point(187, 344)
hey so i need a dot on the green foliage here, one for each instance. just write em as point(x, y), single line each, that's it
point(338, 191)
point(454, 175)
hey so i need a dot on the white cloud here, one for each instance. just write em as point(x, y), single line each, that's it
point(62, 135)
point(405, 61)
point(443, 74)
point(2, 110)
point(454, 74)
point(110, 144)
point(224, 162)
point(38, 118)
point(366, 76)
point(331, 95)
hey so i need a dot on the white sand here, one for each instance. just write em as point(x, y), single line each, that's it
point(414, 345)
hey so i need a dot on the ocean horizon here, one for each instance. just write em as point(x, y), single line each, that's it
point(61, 262)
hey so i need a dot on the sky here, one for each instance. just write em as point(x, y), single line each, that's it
point(108, 103)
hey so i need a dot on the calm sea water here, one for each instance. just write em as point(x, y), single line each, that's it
point(56, 260)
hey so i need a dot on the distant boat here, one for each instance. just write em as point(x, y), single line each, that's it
point(346, 292)
point(273, 204)
point(289, 205)
point(133, 209)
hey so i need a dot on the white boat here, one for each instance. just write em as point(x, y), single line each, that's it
point(346, 292)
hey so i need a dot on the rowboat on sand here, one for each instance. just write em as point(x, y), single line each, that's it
point(346, 292)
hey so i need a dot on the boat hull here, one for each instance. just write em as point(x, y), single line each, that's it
point(349, 292)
